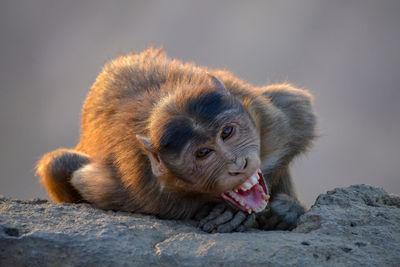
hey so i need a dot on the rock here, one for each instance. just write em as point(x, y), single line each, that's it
point(354, 226)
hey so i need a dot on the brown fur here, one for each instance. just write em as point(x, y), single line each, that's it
point(115, 164)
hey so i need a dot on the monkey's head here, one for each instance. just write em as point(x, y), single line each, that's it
point(203, 142)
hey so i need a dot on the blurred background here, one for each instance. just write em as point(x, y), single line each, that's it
point(347, 53)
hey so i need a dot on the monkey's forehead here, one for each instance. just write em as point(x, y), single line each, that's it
point(197, 126)
point(206, 106)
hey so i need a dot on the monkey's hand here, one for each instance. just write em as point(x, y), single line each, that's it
point(283, 214)
point(221, 218)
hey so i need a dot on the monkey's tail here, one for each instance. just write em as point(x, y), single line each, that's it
point(55, 170)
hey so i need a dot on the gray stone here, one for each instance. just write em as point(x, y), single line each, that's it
point(354, 226)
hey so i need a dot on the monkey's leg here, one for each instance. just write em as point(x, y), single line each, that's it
point(55, 170)
point(224, 219)
point(285, 208)
point(98, 185)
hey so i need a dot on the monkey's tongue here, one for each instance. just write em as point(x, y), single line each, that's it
point(251, 196)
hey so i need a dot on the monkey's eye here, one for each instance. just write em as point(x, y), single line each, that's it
point(226, 132)
point(201, 153)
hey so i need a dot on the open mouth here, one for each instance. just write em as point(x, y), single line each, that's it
point(250, 196)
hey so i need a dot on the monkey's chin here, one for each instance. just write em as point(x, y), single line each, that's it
point(251, 196)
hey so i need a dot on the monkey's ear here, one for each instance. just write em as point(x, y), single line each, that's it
point(146, 142)
point(218, 84)
point(157, 165)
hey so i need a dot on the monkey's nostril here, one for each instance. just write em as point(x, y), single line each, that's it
point(234, 173)
point(245, 164)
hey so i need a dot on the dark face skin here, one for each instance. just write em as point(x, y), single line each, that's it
point(224, 158)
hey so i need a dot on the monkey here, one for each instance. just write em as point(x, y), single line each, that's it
point(178, 141)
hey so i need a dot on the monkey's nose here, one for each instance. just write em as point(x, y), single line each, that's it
point(240, 170)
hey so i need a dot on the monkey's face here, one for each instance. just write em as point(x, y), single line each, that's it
point(222, 160)
point(205, 142)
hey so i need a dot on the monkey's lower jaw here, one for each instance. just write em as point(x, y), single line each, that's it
point(251, 196)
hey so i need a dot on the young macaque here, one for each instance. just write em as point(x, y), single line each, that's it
point(184, 142)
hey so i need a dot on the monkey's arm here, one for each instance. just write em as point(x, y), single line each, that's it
point(292, 135)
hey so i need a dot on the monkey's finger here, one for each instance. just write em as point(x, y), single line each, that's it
point(262, 217)
point(271, 223)
point(216, 211)
point(223, 218)
point(232, 224)
point(250, 222)
point(291, 220)
point(203, 212)
point(283, 226)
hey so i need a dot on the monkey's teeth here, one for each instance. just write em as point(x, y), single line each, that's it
point(245, 186)
point(245, 201)
point(261, 207)
point(234, 196)
point(254, 180)
point(249, 183)
point(248, 209)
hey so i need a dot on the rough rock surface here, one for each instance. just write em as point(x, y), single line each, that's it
point(354, 226)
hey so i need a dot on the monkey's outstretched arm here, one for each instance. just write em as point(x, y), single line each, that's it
point(296, 131)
